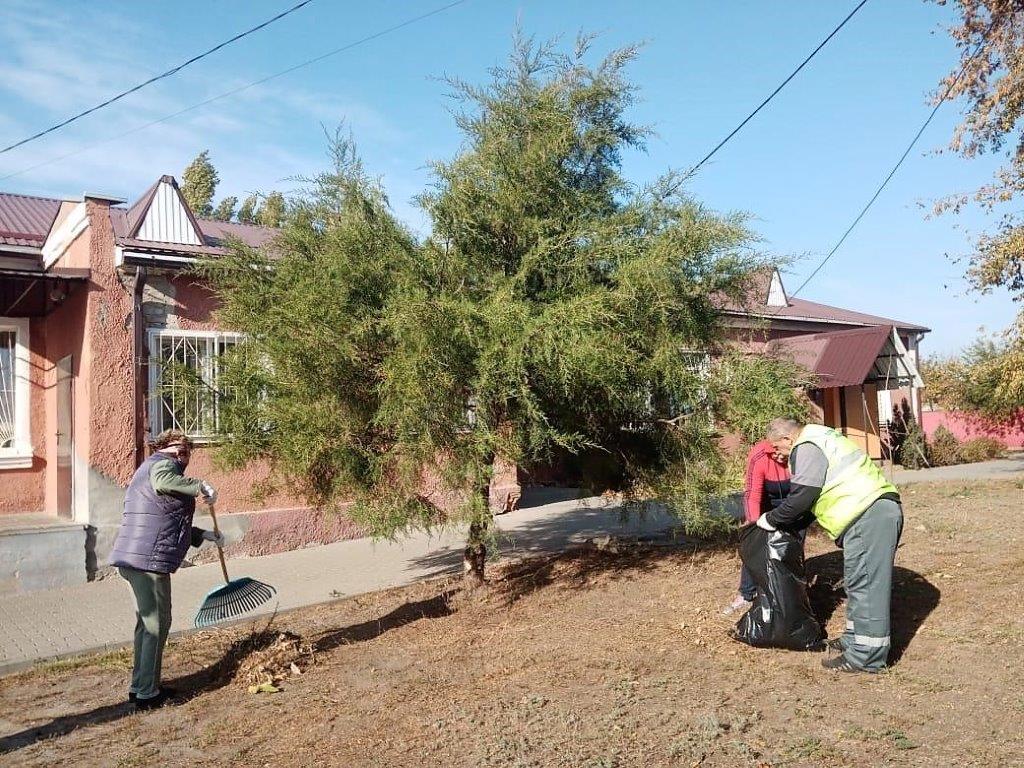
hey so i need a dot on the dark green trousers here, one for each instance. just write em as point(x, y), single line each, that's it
point(152, 593)
point(869, 549)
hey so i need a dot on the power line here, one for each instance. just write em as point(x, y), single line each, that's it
point(775, 93)
point(168, 73)
point(240, 89)
point(949, 87)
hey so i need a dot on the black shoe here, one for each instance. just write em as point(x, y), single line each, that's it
point(170, 692)
point(144, 705)
point(842, 664)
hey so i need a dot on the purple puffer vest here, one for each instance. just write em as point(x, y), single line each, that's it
point(156, 529)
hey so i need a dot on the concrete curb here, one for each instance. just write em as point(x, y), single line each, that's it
point(15, 667)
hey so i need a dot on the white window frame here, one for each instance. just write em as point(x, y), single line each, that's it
point(19, 455)
point(155, 337)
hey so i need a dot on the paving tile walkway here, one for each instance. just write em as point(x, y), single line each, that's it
point(1009, 468)
point(97, 616)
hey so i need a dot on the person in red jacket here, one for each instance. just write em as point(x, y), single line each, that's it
point(767, 485)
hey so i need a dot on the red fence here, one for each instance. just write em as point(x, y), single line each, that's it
point(965, 426)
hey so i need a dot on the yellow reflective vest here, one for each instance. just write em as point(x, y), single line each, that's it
point(852, 482)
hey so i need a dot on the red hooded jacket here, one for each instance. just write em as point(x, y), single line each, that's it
point(767, 481)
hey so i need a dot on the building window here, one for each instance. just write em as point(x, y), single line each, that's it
point(183, 374)
point(8, 401)
point(699, 364)
point(15, 440)
point(666, 408)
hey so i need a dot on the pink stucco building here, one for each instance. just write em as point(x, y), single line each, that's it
point(95, 297)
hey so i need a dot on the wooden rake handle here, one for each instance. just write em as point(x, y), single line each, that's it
point(220, 550)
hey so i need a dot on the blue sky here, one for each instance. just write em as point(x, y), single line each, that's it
point(802, 168)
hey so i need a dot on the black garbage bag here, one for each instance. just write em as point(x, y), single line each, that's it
point(781, 615)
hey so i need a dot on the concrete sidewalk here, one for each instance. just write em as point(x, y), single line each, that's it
point(1010, 468)
point(99, 616)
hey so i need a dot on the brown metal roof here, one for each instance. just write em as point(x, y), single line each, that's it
point(801, 309)
point(215, 234)
point(135, 214)
point(837, 358)
point(25, 221)
point(756, 305)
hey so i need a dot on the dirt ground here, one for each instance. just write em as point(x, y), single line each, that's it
point(592, 658)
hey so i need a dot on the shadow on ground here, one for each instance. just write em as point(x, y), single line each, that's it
point(913, 598)
point(435, 607)
point(222, 671)
point(62, 726)
point(580, 568)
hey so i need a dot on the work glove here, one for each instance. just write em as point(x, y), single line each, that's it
point(215, 536)
point(762, 522)
point(209, 492)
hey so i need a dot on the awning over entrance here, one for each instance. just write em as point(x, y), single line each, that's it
point(874, 355)
point(31, 293)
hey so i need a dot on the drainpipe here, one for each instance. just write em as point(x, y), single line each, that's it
point(915, 393)
point(138, 347)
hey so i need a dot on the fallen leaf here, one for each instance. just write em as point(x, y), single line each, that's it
point(264, 688)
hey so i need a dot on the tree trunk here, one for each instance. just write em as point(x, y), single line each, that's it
point(475, 555)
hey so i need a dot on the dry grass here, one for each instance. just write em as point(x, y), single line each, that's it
point(592, 658)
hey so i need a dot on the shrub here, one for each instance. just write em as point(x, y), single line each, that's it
point(981, 449)
point(899, 427)
point(913, 450)
point(944, 449)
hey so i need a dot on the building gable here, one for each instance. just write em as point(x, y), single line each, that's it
point(71, 222)
point(163, 216)
point(777, 291)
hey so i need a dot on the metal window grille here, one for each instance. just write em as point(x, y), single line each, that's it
point(699, 363)
point(8, 404)
point(184, 372)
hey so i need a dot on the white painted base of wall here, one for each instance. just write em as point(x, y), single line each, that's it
point(45, 556)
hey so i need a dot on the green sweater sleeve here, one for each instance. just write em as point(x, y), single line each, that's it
point(166, 477)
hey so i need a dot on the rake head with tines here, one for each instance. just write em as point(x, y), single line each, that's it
point(235, 597)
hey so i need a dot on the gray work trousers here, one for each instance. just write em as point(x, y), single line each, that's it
point(152, 593)
point(869, 549)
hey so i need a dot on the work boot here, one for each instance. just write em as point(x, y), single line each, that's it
point(144, 705)
point(740, 603)
point(842, 664)
point(170, 692)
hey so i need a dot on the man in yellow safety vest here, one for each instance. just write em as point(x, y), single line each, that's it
point(837, 483)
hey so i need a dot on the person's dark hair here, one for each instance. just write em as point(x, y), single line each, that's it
point(171, 437)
